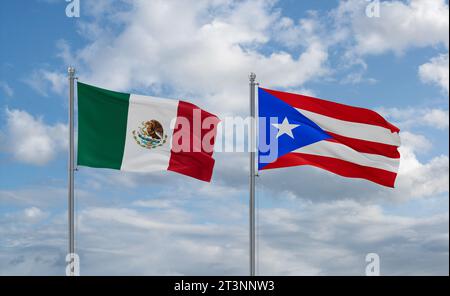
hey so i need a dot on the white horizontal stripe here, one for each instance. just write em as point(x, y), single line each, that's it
point(355, 130)
point(340, 151)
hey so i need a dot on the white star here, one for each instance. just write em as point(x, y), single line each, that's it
point(285, 128)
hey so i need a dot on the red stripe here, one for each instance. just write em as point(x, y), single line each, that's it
point(192, 164)
point(337, 166)
point(364, 146)
point(332, 109)
point(189, 155)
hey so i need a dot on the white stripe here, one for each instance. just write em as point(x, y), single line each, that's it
point(340, 151)
point(355, 130)
point(141, 109)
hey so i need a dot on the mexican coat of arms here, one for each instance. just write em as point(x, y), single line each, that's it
point(150, 134)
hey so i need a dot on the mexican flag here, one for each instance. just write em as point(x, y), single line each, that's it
point(138, 133)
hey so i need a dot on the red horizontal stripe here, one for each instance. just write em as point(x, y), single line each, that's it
point(337, 166)
point(332, 109)
point(197, 165)
point(364, 146)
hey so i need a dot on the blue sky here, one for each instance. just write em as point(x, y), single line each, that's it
point(310, 221)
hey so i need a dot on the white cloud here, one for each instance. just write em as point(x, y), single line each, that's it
point(34, 214)
point(44, 81)
point(337, 235)
point(64, 52)
point(30, 140)
point(33, 197)
point(303, 238)
point(135, 219)
point(358, 77)
point(416, 179)
point(413, 117)
point(205, 55)
point(30, 215)
point(401, 25)
point(303, 33)
point(415, 142)
point(4, 86)
point(437, 118)
point(153, 203)
point(436, 72)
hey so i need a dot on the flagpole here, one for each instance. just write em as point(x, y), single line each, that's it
point(71, 202)
point(252, 78)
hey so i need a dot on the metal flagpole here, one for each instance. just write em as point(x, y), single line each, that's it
point(71, 72)
point(252, 145)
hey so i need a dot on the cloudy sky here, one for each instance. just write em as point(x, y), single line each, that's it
point(310, 222)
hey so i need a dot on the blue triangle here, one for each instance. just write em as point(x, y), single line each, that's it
point(272, 110)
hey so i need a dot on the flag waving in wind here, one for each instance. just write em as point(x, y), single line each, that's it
point(349, 141)
point(144, 134)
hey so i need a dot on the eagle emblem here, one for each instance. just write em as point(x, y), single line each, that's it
point(150, 134)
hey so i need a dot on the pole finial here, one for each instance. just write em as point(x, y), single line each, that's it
point(71, 71)
point(252, 77)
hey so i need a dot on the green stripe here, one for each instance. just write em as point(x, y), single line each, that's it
point(102, 125)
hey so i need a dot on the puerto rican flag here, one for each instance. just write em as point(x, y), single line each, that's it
point(349, 141)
